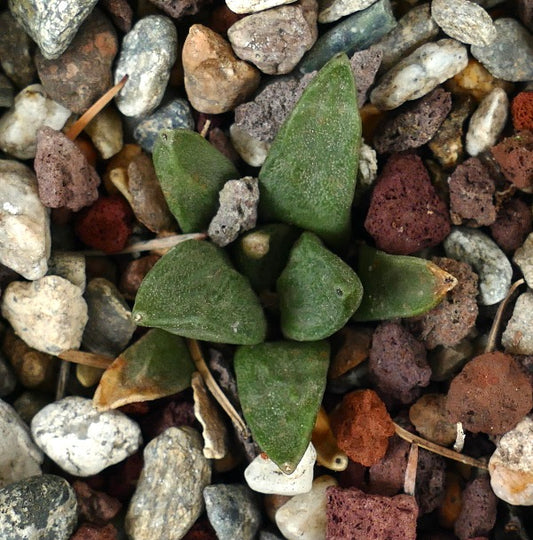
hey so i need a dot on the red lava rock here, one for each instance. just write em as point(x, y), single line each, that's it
point(223, 144)
point(353, 476)
point(106, 225)
point(513, 224)
point(415, 125)
point(64, 176)
point(430, 481)
point(201, 530)
point(449, 322)
point(120, 12)
point(362, 427)
point(221, 18)
point(387, 476)
point(88, 531)
point(365, 65)
point(397, 363)
point(178, 9)
point(134, 273)
point(491, 394)
point(471, 194)
point(95, 506)
point(478, 513)
point(406, 214)
point(354, 515)
point(514, 155)
point(522, 110)
point(123, 480)
point(174, 414)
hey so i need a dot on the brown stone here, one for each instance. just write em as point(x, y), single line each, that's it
point(362, 427)
point(215, 80)
point(515, 158)
point(387, 476)
point(365, 65)
point(134, 273)
point(428, 415)
point(513, 223)
point(351, 346)
point(95, 506)
point(178, 9)
point(88, 531)
point(120, 12)
point(522, 109)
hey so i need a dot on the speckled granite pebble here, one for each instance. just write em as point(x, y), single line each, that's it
point(147, 55)
point(38, 508)
point(69, 265)
point(332, 10)
point(251, 6)
point(488, 260)
point(81, 440)
point(518, 335)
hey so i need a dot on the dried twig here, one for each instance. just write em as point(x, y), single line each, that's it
point(437, 449)
point(409, 483)
point(62, 379)
point(87, 359)
point(205, 129)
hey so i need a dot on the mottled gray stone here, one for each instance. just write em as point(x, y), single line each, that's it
point(488, 260)
point(275, 40)
point(19, 457)
point(332, 10)
point(175, 473)
point(8, 381)
point(51, 24)
point(147, 55)
point(464, 21)
point(233, 511)
point(24, 222)
point(365, 65)
point(354, 33)
point(68, 265)
point(81, 440)
point(7, 92)
point(419, 73)
point(28, 404)
point(518, 335)
point(523, 257)
point(509, 56)
point(110, 326)
point(176, 115)
point(252, 6)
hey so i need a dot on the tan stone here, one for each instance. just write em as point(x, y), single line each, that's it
point(215, 80)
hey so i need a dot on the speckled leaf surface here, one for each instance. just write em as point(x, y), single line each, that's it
point(309, 176)
point(193, 291)
point(281, 385)
point(191, 173)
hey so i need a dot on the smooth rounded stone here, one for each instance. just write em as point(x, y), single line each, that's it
point(148, 53)
point(252, 6)
point(24, 222)
point(333, 10)
point(511, 465)
point(251, 149)
point(233, 511)
point(8, 380)
point(419, 73)
point(175, 471)
point(110, 326)
point(19, 457)
point(264, 476)
point(68, 265)
point(275, 40)
point(49, 314)
point(7, 92)
point(518, 336)
point(16, 50)
point(464, 21)
point(354, 33)
point(81, 440)
point(414, 29)
point(216, 81)
point(304, 516)
point(430, 418)
point(487, 122)
point(83, 72)
point(486, 258)
point(53, 24)
point(38, 508)
point(523, 257)
point(508, 57)
point(105, 131)
point(176, 115)
point(31, 110)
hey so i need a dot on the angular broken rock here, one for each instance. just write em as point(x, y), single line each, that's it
point(251, 6)
point(518, 336)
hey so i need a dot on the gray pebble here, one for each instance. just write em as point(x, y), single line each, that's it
point(52, 24)
point(523, 257)
point(486, 258)
point(147, 55)
point(365, 65)
point(237, 211)
point(19, 457)
point(38, 508)
point(419, 73)
point(464, 21)
point(29, 403)
point(518, 335)
point(487, 122)
point(332, 10)
point(8, 381)
point(68, 265)
point(110, 326)
point(81, 440)
point(232, 511)
point(7, 92)
point(176, 115)
point(175, 473)
point(509, 56)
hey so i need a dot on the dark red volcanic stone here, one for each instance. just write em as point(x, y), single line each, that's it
point(522, 111)
point(513, 224)
point(515, 158)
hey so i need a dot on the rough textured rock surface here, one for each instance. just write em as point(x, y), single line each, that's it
point(95, 506)
point(332, 10)
point(522, 110)
point(365, 65)
point(513, 223)
point(518, 338)
point(251, 6)
point(514, 155)
point(523, 257)
point(181, 8)
point(429, 417)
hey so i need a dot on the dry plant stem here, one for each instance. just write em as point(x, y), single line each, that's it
point(215, 390)
point(205, 129)
point(79, 125)
point(437, 449)
point(62, 379)
point(495, 328)
point(87, 359)
point(409, 483)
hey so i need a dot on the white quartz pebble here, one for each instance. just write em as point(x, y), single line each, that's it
point(518, 335)
point(252, 6)
point(333, 10)
point(523, 257)
point(252, 150)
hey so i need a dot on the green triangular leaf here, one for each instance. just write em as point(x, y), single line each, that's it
point(280, 387)
point(318, 291)
point(193, 291)
point(191, 173)
point(398, 285)
point(308, 178)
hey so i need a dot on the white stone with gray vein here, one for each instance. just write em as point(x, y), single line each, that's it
point(518, 335)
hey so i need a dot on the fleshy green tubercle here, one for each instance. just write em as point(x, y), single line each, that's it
point(193, 291)
point(309, 176)
point(281, 385)
point(191, 173)
point(318, 291)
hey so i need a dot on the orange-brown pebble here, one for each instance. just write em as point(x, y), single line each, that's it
point(352, 346)
point(87, 149)
point(522, 110)
point(450, 507)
